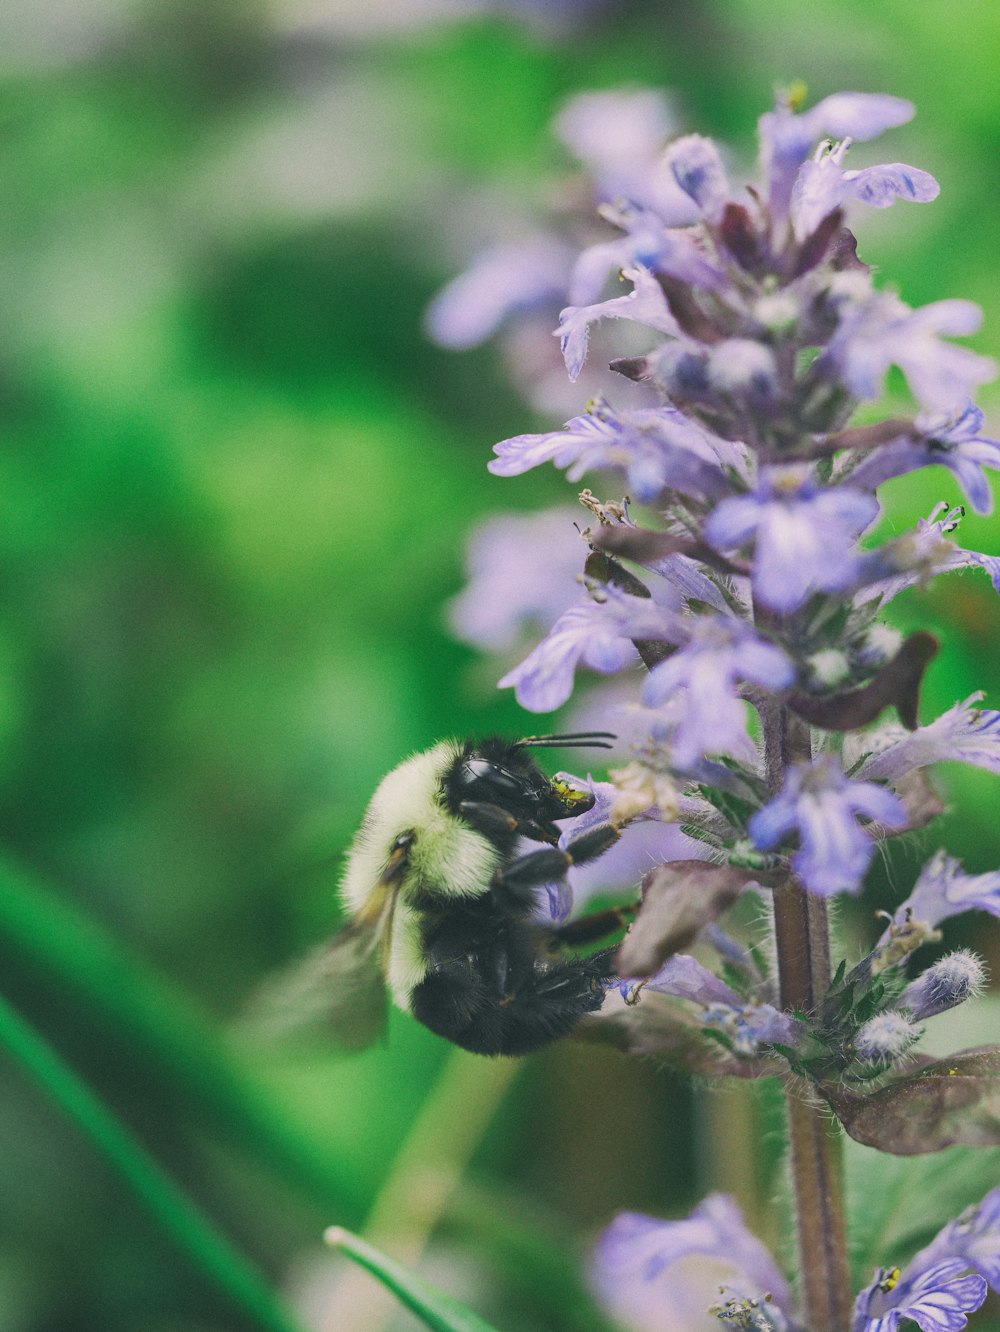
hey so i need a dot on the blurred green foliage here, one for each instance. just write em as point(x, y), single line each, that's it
point(236, 485)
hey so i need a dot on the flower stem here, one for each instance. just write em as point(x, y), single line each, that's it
point(802, 939)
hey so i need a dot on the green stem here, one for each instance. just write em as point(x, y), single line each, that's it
point(802, 939)
point(173, 1211)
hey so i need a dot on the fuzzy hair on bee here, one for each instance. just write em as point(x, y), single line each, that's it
point(443, 902)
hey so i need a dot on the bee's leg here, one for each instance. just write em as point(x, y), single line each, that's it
point(494, 820)
point(548, 866)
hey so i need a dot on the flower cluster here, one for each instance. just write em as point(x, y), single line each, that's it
point(662, 1276)
point(745, 599)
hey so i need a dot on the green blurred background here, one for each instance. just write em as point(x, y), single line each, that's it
point(236, 483)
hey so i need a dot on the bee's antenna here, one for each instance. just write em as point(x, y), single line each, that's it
point(570, 740)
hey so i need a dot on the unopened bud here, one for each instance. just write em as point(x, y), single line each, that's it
point(741, 368)
point(829, 667)
point(882, 642)
point(950, 981)
point(885, 1037)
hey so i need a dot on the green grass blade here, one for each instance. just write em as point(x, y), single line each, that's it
point(162, 1029)
point(172, 1210)
point(438, 1310)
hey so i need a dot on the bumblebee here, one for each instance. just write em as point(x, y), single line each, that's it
point(443, 901)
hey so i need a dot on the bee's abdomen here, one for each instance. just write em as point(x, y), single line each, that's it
point(486, 1002)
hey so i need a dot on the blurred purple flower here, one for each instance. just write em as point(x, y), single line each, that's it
point(823, 805)
point(805, 535)
point(943, 890)
point(619, 136)
point(876, 330)
point(501, 281)
point(974, 1237)
point(522, 574)
point(662, 1276)
point(698, 170)
point(655, 447)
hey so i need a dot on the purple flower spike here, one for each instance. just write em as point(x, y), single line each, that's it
point(719, 654)
point(662, 1276)
point(942, 891)
point(936, 1298)
point(823, 805)
point(805, 536)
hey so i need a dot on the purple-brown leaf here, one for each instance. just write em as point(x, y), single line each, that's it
point(897, 683)
point(678, 900)
point(949, 1102)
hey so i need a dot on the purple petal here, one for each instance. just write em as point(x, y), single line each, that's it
point(641, 1276)
point(685, 978)
point(769, 825)
point(544, 680)
point(645, 304)
point(936, 1299)
point(835, 852)
point(521, 572)
point(733, 521)
point(698, 170)
point(500, 282)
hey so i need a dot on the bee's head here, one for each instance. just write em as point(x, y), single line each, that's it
point(502, 773)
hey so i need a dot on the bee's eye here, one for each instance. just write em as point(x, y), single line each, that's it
point(482, 780)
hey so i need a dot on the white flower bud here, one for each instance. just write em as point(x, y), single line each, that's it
point(829, 667)
point(882, 642)
point(778, 313)
point(740, 366)
point(885, 1037)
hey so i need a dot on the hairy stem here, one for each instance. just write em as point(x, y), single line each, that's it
point(802, 939)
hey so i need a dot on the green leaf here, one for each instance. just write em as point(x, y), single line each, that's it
point(886, 1228)
point(438, 1310)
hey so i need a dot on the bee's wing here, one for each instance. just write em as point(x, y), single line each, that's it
point(336, 993)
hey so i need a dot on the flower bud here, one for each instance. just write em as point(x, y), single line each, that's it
point(950, 981)
point(829, 668)
point(885, 1037)
point(881, 643)
point(740, 368)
